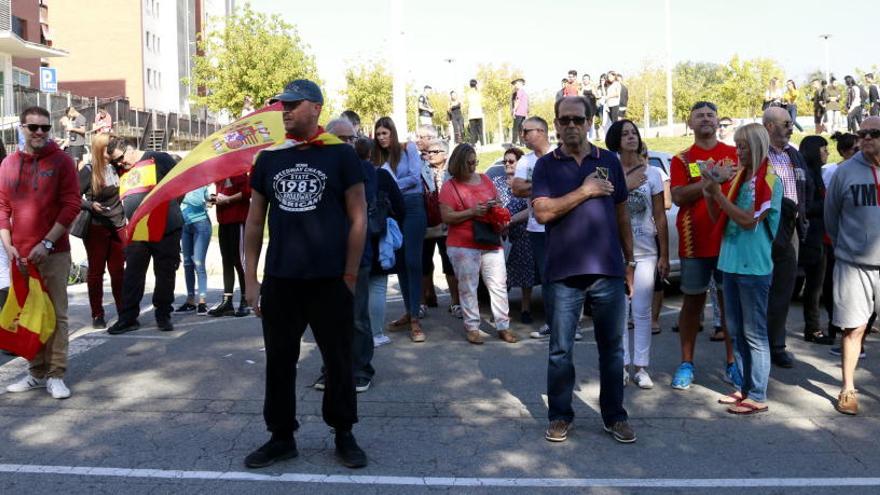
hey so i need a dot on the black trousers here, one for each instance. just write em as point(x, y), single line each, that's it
point(854, 120)
point(814, 280)
point(166, 259)
point(232, 253)
point(875, 109)
point(781, 289)
point(458, 129)
point(289, 306)
point(475, 129)
point(613, 114)
point(517, 129)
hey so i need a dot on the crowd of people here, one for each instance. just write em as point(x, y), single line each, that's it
point(375, 204)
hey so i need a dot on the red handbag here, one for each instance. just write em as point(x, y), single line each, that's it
point(432, 205)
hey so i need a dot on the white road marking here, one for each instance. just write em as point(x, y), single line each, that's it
point(435, 481)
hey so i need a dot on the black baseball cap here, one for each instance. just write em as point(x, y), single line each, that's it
point(301, 89)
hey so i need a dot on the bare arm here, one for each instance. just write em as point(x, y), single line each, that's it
point(686, 195)
point(667, 195)
point(744, 218)
point(452, 217)
point(624, 230)
point(521, 188)
point(253, 244)
point(356, 208)
point(662, 234)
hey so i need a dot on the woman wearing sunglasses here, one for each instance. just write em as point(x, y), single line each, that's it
point(99, 186)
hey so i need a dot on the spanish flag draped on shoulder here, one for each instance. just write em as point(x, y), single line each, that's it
point(226, 153)
point(28, 317)
point(765, 181)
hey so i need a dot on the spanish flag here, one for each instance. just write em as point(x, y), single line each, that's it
point(226, 153)
point(765, 181)
point(28, 317)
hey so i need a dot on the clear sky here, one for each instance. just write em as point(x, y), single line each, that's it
point(546, 38)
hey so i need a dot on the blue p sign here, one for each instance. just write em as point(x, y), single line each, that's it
point(48, 80)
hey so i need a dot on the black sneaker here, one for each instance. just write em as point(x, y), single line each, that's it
point(98, 322)
point(348, 452)
point(526, 318)
point(164, 325)
point(121, 327)
point(186, 307)
point(622, 432)
point(320, 383)
point(202, 309)
point(362, 384)
point(225, 308)
point(243, 310)
point(270, 453)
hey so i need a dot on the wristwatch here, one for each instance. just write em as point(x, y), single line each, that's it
point(631, 264)
point(49, 245)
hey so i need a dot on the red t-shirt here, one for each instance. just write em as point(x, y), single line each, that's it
point(460, 197)
point(697, 235)
point(236, 212)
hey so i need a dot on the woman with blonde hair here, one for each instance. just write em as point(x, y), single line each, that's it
point(749, 215)
point(104, 240)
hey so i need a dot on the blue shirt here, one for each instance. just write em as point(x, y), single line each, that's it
point(747, 252)
point(305, 189)
point(586, 240)
point(194, 207)
point(409, 170)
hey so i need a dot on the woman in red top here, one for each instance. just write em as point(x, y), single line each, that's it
point(233, 201)
point(469, 195)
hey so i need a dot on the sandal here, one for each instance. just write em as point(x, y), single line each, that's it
point(507, 336)
point(731, 399)
point(474, 337)
point(656, 330)
point(415, 332)
point(400, 323)
point(747, 408)
point(718, 336)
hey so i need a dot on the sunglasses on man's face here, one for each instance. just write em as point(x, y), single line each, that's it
point(434, 152)
point(42, 127)
point(872, 133)
point(117, 161)
point(347, 139)
point(510, 161)
point(288, 106)
point(564, 121)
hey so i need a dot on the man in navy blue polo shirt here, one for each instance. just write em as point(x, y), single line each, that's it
point(579, 193)
point(312, 187)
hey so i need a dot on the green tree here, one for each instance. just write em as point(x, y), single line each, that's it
point(648, 86)
point(253, 54)
point(368, 91)
point(744, 82)
point(692, 82)
point(494, 85)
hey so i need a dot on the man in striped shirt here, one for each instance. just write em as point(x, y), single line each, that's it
point(790, 165)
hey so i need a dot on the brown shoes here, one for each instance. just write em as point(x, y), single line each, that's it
point(399, 324)
point(415, 332)
point(847, 403)
point(474, 337)
point(507, 336)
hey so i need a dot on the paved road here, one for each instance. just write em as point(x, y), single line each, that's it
point(176, 413)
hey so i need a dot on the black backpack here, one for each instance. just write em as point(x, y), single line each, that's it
point(378, 212)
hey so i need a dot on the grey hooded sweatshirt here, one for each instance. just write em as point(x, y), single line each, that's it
point(852, 212)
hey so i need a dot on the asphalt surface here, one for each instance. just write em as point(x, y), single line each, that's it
point(177, 412)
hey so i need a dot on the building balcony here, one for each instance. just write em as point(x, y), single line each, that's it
point(12, 44)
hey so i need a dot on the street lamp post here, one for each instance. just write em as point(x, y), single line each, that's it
point(669, 122)
point(398, 67)
point(827, 37)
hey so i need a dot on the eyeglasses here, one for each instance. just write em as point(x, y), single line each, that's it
point(526, 131)
point(510, 161)
point(724, 126)
point(347, 139)
point(434, 152)
point(872, 133)
point(42, 127)
point(786, 123)
point(564, 121)
point(700, 104)
point(290, 105)
point(117, 161)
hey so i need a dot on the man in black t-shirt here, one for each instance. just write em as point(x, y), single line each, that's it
point(141, 171)
point(426, 111)
point(312, 187)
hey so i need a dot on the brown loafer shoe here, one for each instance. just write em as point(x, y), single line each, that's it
point(847, 403)
point(415, 332)
point(399, 324)
point(507, 336)
point(474, 337)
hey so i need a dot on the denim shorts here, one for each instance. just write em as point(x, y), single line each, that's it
point(696, 273)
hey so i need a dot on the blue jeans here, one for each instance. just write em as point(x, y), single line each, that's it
point(194, 243)
point(745, 309)
point(410, 270)
point(362, 341)
point(539, 251)
point(608, 298)
point(378, 291)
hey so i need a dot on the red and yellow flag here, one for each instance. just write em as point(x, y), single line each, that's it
point(28, 317)
point(226, 153)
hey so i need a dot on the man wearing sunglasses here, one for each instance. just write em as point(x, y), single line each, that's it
point(39, 199)
point(579, 194)
point(852, 219)
point(798, 189)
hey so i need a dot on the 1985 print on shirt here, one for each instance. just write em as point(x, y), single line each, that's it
point(299, 188)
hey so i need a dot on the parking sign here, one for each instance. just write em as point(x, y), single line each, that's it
point(48, 80)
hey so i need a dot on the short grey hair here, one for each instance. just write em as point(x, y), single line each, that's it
point(333, 124)
point(440, 144)
point(428, 128)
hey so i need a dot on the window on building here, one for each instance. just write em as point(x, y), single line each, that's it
point(159, 84)
point(158, 46)
point(156, 10)
point(19, 27)
point(148, 40)
point(20, 77)
point(149, 78)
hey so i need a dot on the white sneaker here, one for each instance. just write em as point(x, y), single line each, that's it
point(29, 382)
point(381, 340)
point(57, 388)
point(625, 376)
point(578, 334)
point(541, 333)
point(643, 379)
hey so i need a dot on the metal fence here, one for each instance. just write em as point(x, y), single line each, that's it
point(182, 132)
